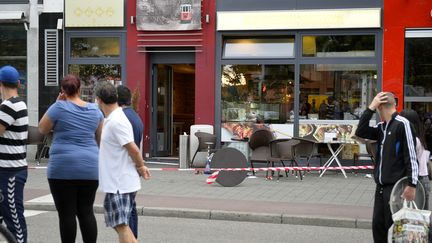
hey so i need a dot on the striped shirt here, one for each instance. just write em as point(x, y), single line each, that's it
point(14, 117)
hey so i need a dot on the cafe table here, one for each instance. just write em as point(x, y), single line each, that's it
point(334, 154)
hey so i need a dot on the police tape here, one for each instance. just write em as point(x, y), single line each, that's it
point(292, 168)
point(212, 178)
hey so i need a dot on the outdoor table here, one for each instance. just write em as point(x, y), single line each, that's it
point(334, 157)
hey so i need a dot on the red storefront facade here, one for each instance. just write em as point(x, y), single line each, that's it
point(402, 20)
point(142, 46)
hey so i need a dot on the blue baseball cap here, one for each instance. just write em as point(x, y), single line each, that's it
point(9, 74)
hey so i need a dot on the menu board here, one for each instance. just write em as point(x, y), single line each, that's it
point(317, 132)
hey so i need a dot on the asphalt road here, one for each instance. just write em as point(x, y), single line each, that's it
point(43, 227)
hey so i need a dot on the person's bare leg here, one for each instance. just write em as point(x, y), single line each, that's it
point(125, 234)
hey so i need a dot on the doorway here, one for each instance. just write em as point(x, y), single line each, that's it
point(173, 106)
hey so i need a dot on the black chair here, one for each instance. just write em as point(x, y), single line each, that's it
point(306, 149)
point(259, 143)
point(282, 150)
point(370, 151)
point(42, 141)
point(206, 143)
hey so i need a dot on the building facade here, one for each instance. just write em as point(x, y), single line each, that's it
point(171, 62)
point(297, 67)
point(407, 49)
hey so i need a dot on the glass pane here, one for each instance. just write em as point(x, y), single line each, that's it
point(336, 91)
point(95, 47)
point(339, 46)
point(164, 76)
point(256, 94)
point(418, 67)
point(424, 110)
point(91, 74)
point(259, 48)
point(21, 66)
point(13, 51)
point(13, 41)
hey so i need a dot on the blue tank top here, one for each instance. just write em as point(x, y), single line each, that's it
point(74, 152)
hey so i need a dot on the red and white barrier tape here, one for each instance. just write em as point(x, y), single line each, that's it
point(212, 178)
point(296, 168)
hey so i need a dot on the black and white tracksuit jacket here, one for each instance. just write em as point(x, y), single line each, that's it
point(396, 151)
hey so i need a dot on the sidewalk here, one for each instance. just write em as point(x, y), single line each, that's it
point(328, 201)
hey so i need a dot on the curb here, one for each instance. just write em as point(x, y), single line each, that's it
point(231, 216)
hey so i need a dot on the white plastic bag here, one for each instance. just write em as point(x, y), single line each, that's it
point(410, 224)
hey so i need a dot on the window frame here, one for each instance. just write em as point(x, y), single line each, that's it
point(259, 57)
point(121, 60)
point(297, 61)
point(414, 34)
point(339, 34)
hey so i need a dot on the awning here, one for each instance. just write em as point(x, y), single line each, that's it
point(11, 15)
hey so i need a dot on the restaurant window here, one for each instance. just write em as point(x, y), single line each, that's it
point(95, 58)
point(13, 51)
point(253, 95)
point(418, 72)
point(338, 46)
point(277, 47)
point(336, 91)
point(95, 47)
point(91, 74)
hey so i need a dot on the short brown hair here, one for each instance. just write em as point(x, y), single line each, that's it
point(10, 85)
point(70, 84)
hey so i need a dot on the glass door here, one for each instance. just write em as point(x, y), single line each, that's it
point(162, 109)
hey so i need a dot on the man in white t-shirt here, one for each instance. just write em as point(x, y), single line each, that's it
point(120, 163)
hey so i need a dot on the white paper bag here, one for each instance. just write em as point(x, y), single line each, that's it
point(410, 224)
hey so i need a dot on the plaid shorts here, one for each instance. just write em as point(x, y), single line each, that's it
point(118, 208)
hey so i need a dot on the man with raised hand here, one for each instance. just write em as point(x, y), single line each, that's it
point(120, 163)
point(395, 158)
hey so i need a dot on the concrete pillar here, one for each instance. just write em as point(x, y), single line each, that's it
point(33, 70)
point(33, 64)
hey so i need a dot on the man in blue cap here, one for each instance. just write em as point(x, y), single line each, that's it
point(13, 163)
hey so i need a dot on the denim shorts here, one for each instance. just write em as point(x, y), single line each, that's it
point(118, 208)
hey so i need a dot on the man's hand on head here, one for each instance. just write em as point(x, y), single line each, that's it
point(379, 99)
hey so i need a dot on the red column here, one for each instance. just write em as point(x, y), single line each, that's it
point(205, 69)
point(138, 74)
point(398, 16)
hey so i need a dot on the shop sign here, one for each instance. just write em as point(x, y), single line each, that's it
point(299, 19)
point(168, 15)
point(94, 13)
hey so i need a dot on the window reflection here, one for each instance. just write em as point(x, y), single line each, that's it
point(336, 91)
point(282, 47)
point(13, 51)
point(339, 46)
point(13, 41)
point(95, 47)
point(257, 93)
point(418, 71)
point(91, 74)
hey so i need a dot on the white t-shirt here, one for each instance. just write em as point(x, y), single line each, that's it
point(422, 157)
point(117, 171)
